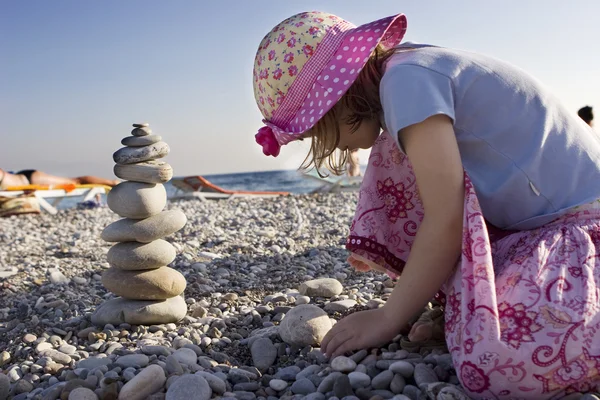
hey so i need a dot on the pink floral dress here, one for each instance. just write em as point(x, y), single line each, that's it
point(522, 308)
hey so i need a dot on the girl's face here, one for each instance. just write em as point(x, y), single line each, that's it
point(363, 138)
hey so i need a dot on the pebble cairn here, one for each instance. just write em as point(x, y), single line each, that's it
point(150, 292)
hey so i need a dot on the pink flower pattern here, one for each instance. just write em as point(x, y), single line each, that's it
point(522, 310)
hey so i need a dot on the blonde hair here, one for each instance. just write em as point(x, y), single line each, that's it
point(361, 101)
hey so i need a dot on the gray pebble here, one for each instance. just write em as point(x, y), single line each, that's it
point(303, 386)
point(383, 380)
point(188, 387)
point(342, 387)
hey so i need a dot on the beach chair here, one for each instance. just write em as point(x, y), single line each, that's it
point(55, 193)
point(201, 188)
point(334, 184)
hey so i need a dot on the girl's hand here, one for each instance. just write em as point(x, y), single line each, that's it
point(361, 330)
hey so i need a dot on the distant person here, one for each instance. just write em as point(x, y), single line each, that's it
point(35, 177)
point(498, 208)
point(353, 163)
point(586, 113)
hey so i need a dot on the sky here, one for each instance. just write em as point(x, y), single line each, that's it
point(74, 75)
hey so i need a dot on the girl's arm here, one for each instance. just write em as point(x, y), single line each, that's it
point(433, 152)
point(432, 149)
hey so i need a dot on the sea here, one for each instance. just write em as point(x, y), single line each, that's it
point(291, 181)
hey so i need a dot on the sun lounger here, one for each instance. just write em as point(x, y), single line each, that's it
point(334, 184)
point(199, 187)
point(56, 192)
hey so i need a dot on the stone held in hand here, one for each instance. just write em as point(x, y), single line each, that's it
point(140, 312)
point(141, 131)
point(148, 172)
point(326, 287)
point(137, 200)
point(152, 284)
point(137, 141)
point(138, 256)
point(305, 325)
point(145, 230)
point(132, 155)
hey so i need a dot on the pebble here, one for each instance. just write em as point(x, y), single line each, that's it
point(424, 375)
point(264, 353)
point(326, 287)
point(154, 284)
point(342, 387)
point(137, 141)
point(150, 380)
point(343, 364)
point(340, 306)
point(137, 200)
point(146, 230)
point(217, 385)
point(186, 356)
point(382, 380)
point(302, 300)
point(4, 358)
point(82, 393)
point(4, 386)
point(140, 312)
point(359, 380)
point(141, 130)
point(305, 325)
point(303, 386)
point(278, 384)
point(403, 368)
point(147, 172)
point(133, 155)
point(133, 360)
point(189, 387)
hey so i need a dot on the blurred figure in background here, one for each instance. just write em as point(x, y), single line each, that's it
point(586, 113)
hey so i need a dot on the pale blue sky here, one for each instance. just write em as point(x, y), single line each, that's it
point(75, 74)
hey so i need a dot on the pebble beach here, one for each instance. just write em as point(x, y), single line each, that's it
point(253, 269)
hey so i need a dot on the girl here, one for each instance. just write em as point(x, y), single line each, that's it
point(497, 208)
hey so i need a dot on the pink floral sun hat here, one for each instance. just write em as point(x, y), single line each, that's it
point(305, 65)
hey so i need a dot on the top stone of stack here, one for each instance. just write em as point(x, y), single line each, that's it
point(138, 161)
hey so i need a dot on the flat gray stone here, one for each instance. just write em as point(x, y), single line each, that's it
point(305, 325)
point(137, 141)
point(93, 362)
point(217, 385)
point(132, 155)
point(149, 284)
point(343, 364)
point(141, 130)
point(145, 230)
point(340, 306)
point(137, 200)
point(82, 393)
point(186, 356)
point(141, 125)
point(133, 360)
point(264, 353)
point(189, 387)
point(150, 380)
point(148, 172)
point(137, 256)
point(326, 287)
point(139, 312)
point(4, 386)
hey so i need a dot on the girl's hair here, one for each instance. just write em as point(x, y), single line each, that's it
point(361, 102)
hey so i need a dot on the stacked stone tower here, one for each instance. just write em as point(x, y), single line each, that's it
point(150, 292)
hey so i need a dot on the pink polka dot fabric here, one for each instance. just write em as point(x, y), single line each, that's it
point(306, 63)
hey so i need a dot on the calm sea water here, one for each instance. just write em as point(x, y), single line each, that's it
point(279, 181)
